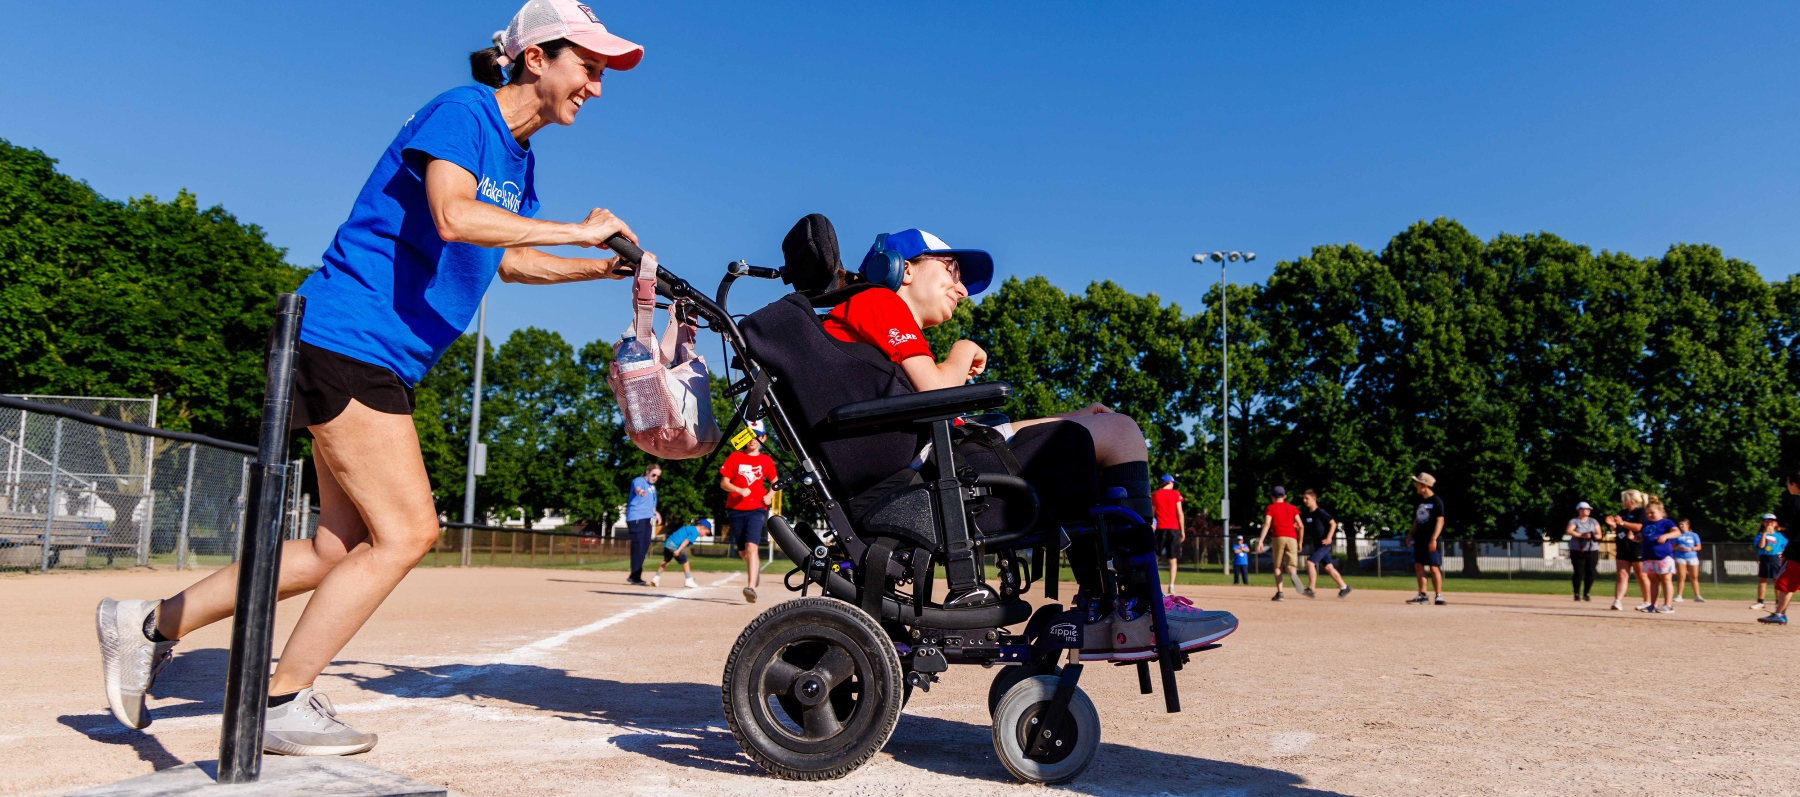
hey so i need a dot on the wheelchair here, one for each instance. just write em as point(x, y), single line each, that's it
point(814, 686)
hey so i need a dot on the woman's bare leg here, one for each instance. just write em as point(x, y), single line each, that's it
point(374, 457)
point(1117, 438)
point(303, 564)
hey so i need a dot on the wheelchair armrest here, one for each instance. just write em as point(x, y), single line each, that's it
point(949, 402)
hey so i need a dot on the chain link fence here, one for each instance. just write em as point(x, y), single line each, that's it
point(78, 495)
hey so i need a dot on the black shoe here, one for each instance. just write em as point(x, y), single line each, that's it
point(1309, 594)
point(1278, 596)
point(1419, 600)
point(1589, 598)
point(637, 582)
point(1439, 601)
point(1577, 598)
point(1343, 592)
point(978, 595)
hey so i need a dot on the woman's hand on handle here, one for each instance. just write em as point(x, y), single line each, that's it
point(600, 225)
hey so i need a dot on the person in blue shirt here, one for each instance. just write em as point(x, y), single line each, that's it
point(1659, 533)
point(1240, 562)
point(641, 520)
point(1769, 543)
point(1687, 561)
point(675, 549)
point(449, 206)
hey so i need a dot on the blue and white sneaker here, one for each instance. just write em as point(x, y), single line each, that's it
point(1773, 619)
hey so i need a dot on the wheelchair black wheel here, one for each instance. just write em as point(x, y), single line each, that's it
point(812, 689)
point(1074, 744)
point(1009, 677)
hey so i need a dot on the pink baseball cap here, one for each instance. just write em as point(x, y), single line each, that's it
point(540, 21)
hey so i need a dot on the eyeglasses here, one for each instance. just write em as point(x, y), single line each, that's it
point(949, 262)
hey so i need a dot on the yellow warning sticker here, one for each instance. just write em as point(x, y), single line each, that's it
point(743, 437)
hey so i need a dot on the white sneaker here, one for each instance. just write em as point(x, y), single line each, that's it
point(1678, 599)
point(308, 725)
point(656, 580)
point(129, 661)
point(1665, 609)
point(1616, 607)
point(1756, 605)
point(690, 582)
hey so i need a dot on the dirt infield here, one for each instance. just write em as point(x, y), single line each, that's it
point(519, 681)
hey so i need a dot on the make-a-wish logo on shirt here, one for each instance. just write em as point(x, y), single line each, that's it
point(506, 195)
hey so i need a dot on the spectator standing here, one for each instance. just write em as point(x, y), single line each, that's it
point(1659, 533)
point(1428, 526)
point(1171, 525)
point(675, 549)
point(1628, 547)
point(1321, 534)
point(1770, 543)
point(747, 500)
point(641, 520)
point(1240, 562)
point(1283, 519)
point(1687, 561)
point(1788, 582)
point(1583, 534)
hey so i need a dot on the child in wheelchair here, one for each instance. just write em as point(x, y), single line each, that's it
point(918, 282)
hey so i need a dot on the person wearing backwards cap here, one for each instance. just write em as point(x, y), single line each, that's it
point(449, 205)
point(931, 279)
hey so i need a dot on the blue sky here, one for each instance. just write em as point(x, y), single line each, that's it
point(1078, 141)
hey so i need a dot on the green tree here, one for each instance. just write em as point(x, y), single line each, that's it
point(137, 298)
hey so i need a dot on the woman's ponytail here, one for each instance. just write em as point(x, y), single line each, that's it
point(485, 66)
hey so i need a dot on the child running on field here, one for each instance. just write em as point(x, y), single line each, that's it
point(675, 549)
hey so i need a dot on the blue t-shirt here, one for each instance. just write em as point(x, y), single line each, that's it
point(390, 291)
point(685, 534)
point(1241, 555)
point(641, 507)
point(1691, 540)
point(1654, 529)
point(1776, 543)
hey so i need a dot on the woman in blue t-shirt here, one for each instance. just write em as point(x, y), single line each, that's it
point(448, 207)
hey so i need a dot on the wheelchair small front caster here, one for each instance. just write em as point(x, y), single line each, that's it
point(1009, 677)
point(1072, 746)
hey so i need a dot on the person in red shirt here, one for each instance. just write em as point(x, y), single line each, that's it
point(892, 317)
point(747, 501)
point(1283, 519)
point(1171, 525)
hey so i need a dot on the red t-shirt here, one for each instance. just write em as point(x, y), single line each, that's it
point(1167, 503)
point(1285, 515)
point(748, 471)
point(880, 318)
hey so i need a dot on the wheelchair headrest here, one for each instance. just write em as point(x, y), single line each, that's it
point(810, 249)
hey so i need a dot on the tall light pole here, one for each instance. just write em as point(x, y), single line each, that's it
point(1224, 403)
point(477, 456)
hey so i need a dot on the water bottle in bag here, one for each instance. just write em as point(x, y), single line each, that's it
point(646, 403)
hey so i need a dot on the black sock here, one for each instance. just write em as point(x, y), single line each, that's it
point(1135, 478)
point(150, 631)
point(281, 700)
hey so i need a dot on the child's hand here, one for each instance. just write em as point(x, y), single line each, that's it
point(977, 356)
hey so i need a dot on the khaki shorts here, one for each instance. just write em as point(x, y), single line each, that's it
point(1286, 553)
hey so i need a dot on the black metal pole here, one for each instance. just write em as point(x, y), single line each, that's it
point(253, 623)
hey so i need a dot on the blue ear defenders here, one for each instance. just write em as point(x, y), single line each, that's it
point(883, 266)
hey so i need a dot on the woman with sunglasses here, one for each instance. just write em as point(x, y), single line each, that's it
point(449, 206)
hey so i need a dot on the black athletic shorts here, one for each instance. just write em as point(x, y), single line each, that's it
point(670, 555)
point(1768, 565)
point(1168, 543)
point(1425, 557)
point(325, 382)
point(1320, 556)
point(746, 527)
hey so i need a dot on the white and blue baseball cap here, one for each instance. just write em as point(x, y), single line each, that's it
point(977, 266)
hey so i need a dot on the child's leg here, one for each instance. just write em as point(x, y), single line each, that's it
point(1419, 573)
point(1331, 570)
point(1437, 580)
point(1761, 585)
